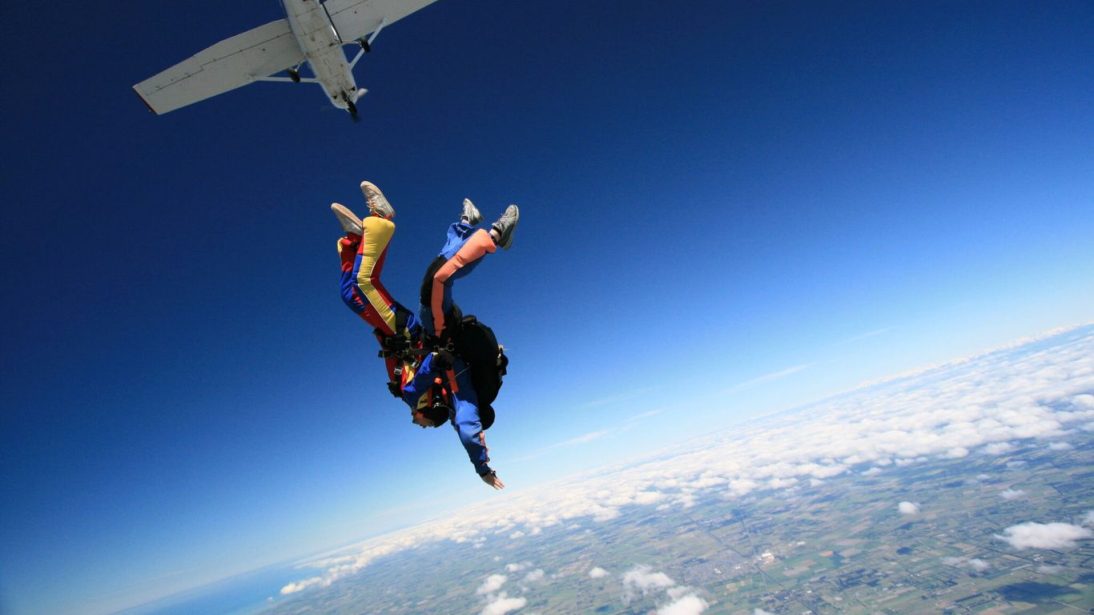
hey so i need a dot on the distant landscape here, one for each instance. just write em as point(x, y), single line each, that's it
point(964, 488)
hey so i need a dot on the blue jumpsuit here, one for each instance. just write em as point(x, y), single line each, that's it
point(417, 393)
point(463, 250)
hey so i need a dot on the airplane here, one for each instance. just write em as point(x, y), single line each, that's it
point(312, 32)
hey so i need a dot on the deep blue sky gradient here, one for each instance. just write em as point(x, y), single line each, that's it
point(728, 208)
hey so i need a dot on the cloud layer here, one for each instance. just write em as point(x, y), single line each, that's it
point(985, 404)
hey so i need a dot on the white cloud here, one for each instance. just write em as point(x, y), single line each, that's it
point(975, 564)
point(991, 399)
point(597, 572)
point(575, 441)
point(492, 584)
point(585, 438)
point(516, 567)
point(1060, 446)
point(1088, 518)
point(687, 604)
point(683, 599)
point(502, 604)
point(908, 508)
point(868, 334)
point(874, 471)
point(1012, 494)
point(978, 565)
point(618, 398)
point(678, 591)
point(741, 486)
point(764, 379)
point(535, 575)
point(998, 448)
point(645, 415)
point(292, 588)
point(642, 578)
point(1054, 535)
point(761, 612)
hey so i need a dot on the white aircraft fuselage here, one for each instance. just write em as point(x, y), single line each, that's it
point(312, 32)
point(321, 45)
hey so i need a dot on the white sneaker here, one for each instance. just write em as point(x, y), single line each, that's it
point(377, 203)
point(349, 221)
point(505, 226)
point(470, 213)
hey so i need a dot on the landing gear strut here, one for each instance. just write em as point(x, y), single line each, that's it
point(350, 106)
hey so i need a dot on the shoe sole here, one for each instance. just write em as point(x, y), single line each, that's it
point(474, 219)
point(507, 236)
point(384, 209)
point(343, 214)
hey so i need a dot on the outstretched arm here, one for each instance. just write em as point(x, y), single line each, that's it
point(473, 438)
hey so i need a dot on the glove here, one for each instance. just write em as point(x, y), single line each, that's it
point(432, 341)
point(395, 389)
point(442, 360)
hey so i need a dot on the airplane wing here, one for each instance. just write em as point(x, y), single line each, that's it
point(231, 63)
point(353, 19)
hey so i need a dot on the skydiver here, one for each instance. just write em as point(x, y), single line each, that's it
point(363, 251)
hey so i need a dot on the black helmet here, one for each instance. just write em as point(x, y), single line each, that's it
point(438, 412)
point(486, 416)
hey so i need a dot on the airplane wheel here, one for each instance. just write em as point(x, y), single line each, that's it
point(294, 75)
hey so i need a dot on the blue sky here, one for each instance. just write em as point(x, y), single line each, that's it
point(728, 209)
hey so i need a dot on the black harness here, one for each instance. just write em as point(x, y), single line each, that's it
point(467, 339)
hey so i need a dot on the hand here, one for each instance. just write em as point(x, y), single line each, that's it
point(442, 360)
point(432, 341)
point(493, 480)
point(395, 389)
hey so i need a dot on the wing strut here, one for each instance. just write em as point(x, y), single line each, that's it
point(366, 44)
point(289, 80)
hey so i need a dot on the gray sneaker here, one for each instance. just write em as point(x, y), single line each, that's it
point(505, 226)
point(470, 213)
point(349, 221)
point(377, 203)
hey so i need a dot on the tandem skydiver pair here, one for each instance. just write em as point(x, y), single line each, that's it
point(445, 367)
